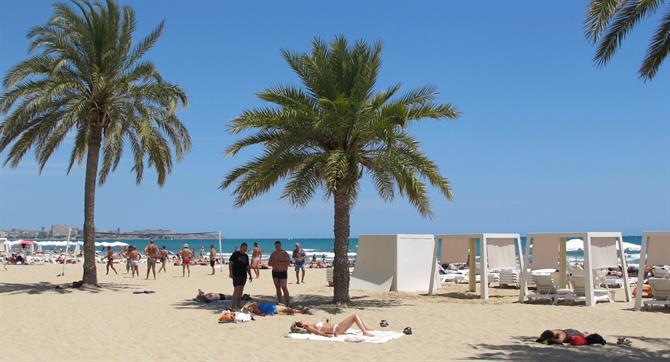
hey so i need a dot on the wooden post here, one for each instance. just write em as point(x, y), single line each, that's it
point(483, 262)
point(433, 270)
point(563, 262)
point(588, 272)
point(640, 271)
point(472, 267)
point(624, 267)
point(523, 260)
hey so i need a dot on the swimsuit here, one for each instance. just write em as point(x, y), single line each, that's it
point(279, 274)
point(320, 325)
point(186, 260)
point(255, 262)
point(267, 309)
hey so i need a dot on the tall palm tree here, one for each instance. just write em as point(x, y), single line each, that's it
point(331, 131)
point(86, 78)
point(609, 21)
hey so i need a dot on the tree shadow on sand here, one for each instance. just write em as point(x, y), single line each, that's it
point(526, 349)
point(311, 301)
point(64, 288)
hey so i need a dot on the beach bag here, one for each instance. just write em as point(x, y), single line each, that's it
point(296, 329)
point(242, 317)
point(227, 317)
point(577, 341)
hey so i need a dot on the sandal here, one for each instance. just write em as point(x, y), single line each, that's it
point(407, 330)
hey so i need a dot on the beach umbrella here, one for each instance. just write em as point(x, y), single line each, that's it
point(574, 245)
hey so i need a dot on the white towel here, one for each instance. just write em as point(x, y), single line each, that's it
point(352, 335)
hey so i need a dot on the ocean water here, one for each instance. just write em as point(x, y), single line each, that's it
point(319, 247)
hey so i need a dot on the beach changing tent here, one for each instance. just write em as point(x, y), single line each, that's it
point(549, 251)
point(497, 252)
point(655, 251)
point(403, 262)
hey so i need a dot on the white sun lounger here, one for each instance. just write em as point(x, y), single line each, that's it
point(547, 289)
point(660, 288)
point(578, 283)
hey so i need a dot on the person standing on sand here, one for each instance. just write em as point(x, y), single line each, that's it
point(212, 257)
point(186, 255)
point(202, 252)
point(237, 270)
point(279, 261)
point(163, 258)
point(110, 260)
point(256, 255)
point(134, 257)
point(152, 256)
point(125, 256)
point(299, 263)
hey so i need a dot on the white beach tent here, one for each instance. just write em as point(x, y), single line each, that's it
point(497, 251)
point(655, 251)
point(403, 262)
point(549, 251)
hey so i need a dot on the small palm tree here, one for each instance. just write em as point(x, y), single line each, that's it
point(330, 132)
point(87, 78)
point(609, 21)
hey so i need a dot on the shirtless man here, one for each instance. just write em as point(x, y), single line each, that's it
point(279, 261)
point(256, 254)
point(163, 258)
point(134, 259)
point(186, 255)
point(212, 257)
point(110, 260)
point(152, 256)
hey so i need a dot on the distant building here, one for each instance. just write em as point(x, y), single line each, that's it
point(60, 231)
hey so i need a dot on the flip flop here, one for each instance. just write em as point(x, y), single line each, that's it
point(407, 330)
point(383, 323)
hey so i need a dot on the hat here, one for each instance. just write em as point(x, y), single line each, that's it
point(186, 245)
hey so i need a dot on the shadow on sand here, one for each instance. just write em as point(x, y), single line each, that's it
point(311, 301)
point(45, 287)
point(527, 350)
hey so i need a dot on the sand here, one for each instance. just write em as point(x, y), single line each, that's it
point(112, 324)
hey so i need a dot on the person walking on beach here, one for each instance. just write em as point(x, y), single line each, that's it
point(125, 256)
point(134, 258)
point(256, 255)
point(163, 258)
point(212, 257)
point(238, 270)
point(152, 256)
point(279, 261)
point(299, 263)
point(186, 255)
point(110, 260)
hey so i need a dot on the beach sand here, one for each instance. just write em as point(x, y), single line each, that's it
point(113, 324)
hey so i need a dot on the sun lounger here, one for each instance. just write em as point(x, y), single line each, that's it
point(660, 288)
point(509, 277)
point(547, 289)
point(578, 283)
point(661, 272)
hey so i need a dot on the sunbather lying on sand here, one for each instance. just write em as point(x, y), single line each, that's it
point(327, 329)
point(208, 297)
point(572, 336)
point(262, 309)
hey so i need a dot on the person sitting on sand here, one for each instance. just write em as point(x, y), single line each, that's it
point(208, 297)
point(327, 329)
point(572, 336)
point(262, 309)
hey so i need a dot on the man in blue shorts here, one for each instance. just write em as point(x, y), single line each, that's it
point(299, 263)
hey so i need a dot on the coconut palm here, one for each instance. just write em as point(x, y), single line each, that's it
point(85, 77)
point(609, 21)
point(331, 131)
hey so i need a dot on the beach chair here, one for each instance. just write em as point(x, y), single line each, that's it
point(509, 277)
point(547, 289)
point(660, 272)
point(660, 289)
point(578, 283)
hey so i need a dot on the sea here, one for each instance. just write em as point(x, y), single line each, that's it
point(322, 248)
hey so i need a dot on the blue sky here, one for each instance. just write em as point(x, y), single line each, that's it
point(546, 141)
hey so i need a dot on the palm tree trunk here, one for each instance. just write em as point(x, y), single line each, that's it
point(90, 274)
point(341, 262)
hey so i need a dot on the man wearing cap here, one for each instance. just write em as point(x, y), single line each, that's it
point(299, 263)
point(186, 255)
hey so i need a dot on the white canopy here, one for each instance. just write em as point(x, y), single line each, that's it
point(578, 244)
point(498, 251)
point(549, 251)
point(655, 251)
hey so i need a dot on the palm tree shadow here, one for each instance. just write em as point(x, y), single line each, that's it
point(63, 288)
point(525, 349)
point(215, 307)
point(325, 303)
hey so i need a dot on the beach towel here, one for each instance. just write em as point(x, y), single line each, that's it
point(352, 335)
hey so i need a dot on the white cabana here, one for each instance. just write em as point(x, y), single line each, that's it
point(497, 252)
point(655, 251)
point(404, 262)
point(549, 251)
point(578, 244)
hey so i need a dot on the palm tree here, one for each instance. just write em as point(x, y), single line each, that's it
point(609, 21)
point(87, 79)
point(329, 132)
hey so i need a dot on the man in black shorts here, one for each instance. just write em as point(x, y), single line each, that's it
point(279, 261)
point(238, 270)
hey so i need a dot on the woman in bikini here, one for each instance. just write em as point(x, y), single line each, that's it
point(256, 254)
point(262, 309)
point(327, 329)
